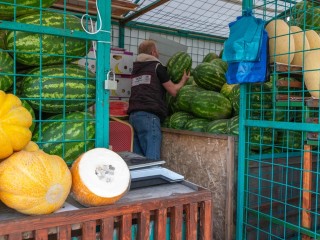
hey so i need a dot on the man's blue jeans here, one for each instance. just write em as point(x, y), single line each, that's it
point(147, 134)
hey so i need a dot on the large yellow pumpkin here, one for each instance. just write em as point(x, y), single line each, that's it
point(33, 182)
point(99, 177)
point(15, 121)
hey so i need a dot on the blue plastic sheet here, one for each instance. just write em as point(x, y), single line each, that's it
point(245, 38)
point(250, 72)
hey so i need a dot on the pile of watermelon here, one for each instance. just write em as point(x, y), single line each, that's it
point(204, 104)
point(39, 69)
point(208, 104)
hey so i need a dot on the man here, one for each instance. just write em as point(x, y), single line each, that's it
point(147, 107)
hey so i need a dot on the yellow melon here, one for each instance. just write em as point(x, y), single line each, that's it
point(281, 42)
point(15, 121)
point(99, 177)
point(301, 45)
point(33, 182)
point(312, 72)
point(313, 39)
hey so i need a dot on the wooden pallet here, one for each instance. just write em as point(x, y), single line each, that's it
point(183, 203)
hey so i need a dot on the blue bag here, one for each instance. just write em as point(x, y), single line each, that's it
point(244, 42)
point(250, 72)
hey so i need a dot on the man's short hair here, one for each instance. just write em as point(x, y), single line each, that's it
point(147, 46)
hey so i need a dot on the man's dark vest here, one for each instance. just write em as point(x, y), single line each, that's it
point(147, 92)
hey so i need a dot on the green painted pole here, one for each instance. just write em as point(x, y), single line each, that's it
point(246, 5)
point(102, 69)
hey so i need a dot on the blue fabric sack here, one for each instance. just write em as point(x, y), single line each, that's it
point(244, 40)
point(250, 72)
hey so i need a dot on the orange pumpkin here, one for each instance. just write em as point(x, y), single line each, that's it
point(99, 177)
point(33, 182)
point(15, 121)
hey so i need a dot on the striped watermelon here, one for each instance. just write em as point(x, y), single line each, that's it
point(177, 64)
point(67, 137)
point(197, 124)
point(6, 70)
point(33, 49)
point(220, 63)
point(209, 57)
point(178, 120)
point(233, 126)
point(171, 103)
point(209, 76)
point(217, 126)
point(23, 7)
point(2, 39)
point(55, 89)
point(185, 96)
point(290, 139)
point(309, 20)
point(262, 138)
point(227, 89)
point(235, 99)
point(211, 105)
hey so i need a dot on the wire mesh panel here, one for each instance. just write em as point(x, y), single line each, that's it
point(279, 143)
point(43, 59)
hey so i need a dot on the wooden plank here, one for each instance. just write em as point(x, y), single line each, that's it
point(41, 234)
point(107, 226)
point(89, 230)
point(160, 222)
point(64, 232)
point(191, 221)
point(206, 222)
point(307, 185)
point(143, 225)
point(15, 236)
point(176, 220)
point(229, 189)
point(281, 67)
point(125, 227)
point(293, 84)
point(281, 97)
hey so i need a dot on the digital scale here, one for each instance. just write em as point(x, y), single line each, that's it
point(146, 172)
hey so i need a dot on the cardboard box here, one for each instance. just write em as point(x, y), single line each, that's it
point(121, 61)
point(123, 87)
point(89, 61)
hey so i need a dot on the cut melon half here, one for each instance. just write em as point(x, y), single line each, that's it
point(99, 177)
point(312, 72)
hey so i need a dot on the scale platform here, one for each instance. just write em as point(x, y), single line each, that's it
point(146, 172)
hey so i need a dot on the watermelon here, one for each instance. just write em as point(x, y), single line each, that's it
point(23, 7)
point(235, 99)
point(2, 38)
point(197, 124)
point(171, 103)
point(177, 64)
point(165, 123)
point(66, 136)
point(217, 126)
point(227, 89)
point(219, 62)
point(178, 120)
point(209, 76)
point(190, 81)
point(185, 96)
point(54, 89)
point(6, 70)
point(30, 109)
point(261, 138)
point(220, 54)
point(209, 57)
point(233, 126)
point(211, 105)
point(290, 139)
point(311, 18)
point(33, 49)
